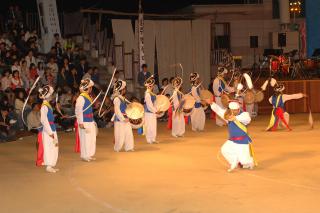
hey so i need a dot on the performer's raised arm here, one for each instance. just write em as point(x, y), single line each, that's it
point(218, 110)
point(286, 97)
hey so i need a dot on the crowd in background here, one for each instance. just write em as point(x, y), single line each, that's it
point(22, 62)
point(63, 67)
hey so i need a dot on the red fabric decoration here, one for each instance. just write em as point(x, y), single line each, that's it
point(40, 151)
point(169, 125)
point(77, 144)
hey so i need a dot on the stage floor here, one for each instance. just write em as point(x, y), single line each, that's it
point(186, 175)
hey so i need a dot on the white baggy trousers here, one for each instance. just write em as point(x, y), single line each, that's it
point(87, 140)
point(150, 120)
point(50, 151)
point(236, 153)
point(198, 119)
point(123, 136)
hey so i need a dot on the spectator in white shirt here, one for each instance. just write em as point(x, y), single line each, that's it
point(30, 59)
point(54, 68)
point(16, 66)
point(33, 118)
point(6, 80)
point(16, 81)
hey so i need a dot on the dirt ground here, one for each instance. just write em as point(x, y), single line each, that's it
point(186, 175)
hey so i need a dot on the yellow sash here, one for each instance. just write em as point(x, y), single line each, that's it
point(87, 96)
point(273, 118)
point(245, 129)
point(46, 103)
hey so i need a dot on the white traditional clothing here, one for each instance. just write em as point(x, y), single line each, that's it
point(50, 145)
point(219, 86)
point(150, 117)
point(84, 115)
point(198, 116)
point(236, 149)
point(122, 129)
point(178, 122)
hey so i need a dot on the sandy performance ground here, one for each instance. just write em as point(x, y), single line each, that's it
point(186, 175)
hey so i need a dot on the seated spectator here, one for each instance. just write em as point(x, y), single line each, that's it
point(40, 69)
point(18, 106)
point(54, 68)
point(25, 74)
point(74, 79)
point(30, 58)
point(6, 80)
point(66, 101)
point(95, 77)
point(88, 74)
point(33, 118)
point(16, 66)
point(62, 78)
point(7, 133)
point(33, 73)
point(16, 81)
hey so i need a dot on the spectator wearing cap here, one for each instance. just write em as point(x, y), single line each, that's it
point(82, 68)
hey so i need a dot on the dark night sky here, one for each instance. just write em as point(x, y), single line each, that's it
point(150, 6)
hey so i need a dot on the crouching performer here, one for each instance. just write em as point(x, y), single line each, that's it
point(237, 149)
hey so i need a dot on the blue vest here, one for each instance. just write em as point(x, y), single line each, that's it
point(153, 99)
point(198, 104)
point(221, 86)
point(179, 98)
point(274, 102)
point(88, 114)
point(237, 135)
point(50, 118)
point(123, 107)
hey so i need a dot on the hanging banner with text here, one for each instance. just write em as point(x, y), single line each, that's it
point(49, 22)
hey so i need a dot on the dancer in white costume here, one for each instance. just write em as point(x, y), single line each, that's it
point(198, 116)
point(48, 130)
point(237, 149)
point(178, 122)
point(122, 128)
point(220, 86)
point(87, 128)
point(150, 115)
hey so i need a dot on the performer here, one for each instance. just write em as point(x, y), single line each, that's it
point(279, 114)
point(47, 138)
point(86, 124)
point(150, 115)
point(198, 117)
point(237, 149)
point(220, 86)
point(122, 128)
point(178, 122)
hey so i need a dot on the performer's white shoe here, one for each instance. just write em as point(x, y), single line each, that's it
point(57, 170)
point(50, 169)
point(86, 159)
point(233, 167)
point(93, 158)
point(155, 141)
point(131, 150)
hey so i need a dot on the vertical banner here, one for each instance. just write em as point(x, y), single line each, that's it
point(49, 22)
point(140, 31)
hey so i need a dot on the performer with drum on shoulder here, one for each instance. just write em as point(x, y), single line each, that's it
point(198, 117)
point(178, 122)
point(220, 88)
point(122, 127)
point(150, 114)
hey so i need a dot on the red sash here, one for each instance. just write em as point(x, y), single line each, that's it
point(40, 151)
point(169, 125)
point(77, 144)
